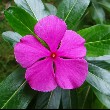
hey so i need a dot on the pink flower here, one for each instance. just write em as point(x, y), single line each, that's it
point(62, 65)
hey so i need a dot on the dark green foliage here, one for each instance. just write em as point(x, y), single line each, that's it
point(78, 14)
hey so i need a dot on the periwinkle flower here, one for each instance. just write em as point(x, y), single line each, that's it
point(62, 65)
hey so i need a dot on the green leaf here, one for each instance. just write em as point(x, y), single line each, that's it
point(74, 99)
point(54, 100)
point(97, 40)
point(103, 98)
point(52, 9)
point(13, 92)
point(99, 78)
point(102, 61)
point(96, 104)
point(20, 21)
point(49, 100)
point(98, 13)
point(10, 86)
point(103, 71)
point(85, 96)
point(11, 37)
point(105, 5)
point(69, 99)
point(66, 99)
point(71, 11)
point(42, 100)
point(36, 8)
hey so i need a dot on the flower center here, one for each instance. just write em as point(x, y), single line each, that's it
point(53, 55)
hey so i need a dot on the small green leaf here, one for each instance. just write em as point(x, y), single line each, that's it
point(66, 99)
point(42, 100)
point(98, 13)
point(103, 98)
point(52, 9)
point(49, 100)
point(105, 4)
point(36, 8)
point(21, 99)
point(20, 20)
point(10, 86)
point(101, 69)
point(13, 92)
point(54, 100)
point(71, 11)
point(11, 37)
point(97, 40)
point(69, 99)
point(99, 78)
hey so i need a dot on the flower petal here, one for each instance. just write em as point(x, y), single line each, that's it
point(29, 50)
point(72, 45)
point(41, 76)
point(51, 29)
point(71, 73)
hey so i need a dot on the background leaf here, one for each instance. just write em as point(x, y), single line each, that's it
point(105, 4)
point(98, 13)
point(105, 99)
point(69, 99)
point(42, 100)
point(99, 78)
point(36, 8)
point(103, 71)
point(66, 99)
point(97, 40)
point(14, 93)
point(9, 86)
point(17, 18)
point(49, 100)
point(11, 37)
point(71, 11)
point(51, 8)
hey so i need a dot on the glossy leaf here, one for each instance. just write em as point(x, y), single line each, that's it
point(71, 11)
point(99, 79)
point(99, 75)
point(66, 99)
point(105, 4)
point(51, 8)
point(21, 99)
point(69, 99)
point(10, 86)
point(74, 99)
point(13, 92)
point(98, 13)
point(11, 37)
point(20, 20)
point(36, 8)
point(103, 98)
point(49, 100)
point(42, 100)
point(102, 63)
point(96, 104)
point(54, 101)
point(97, 40)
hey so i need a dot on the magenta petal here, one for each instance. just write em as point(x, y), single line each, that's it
point(71, 73)
point(29, 50)
point(51, 29)
point(41, 76)
point(72, 45)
